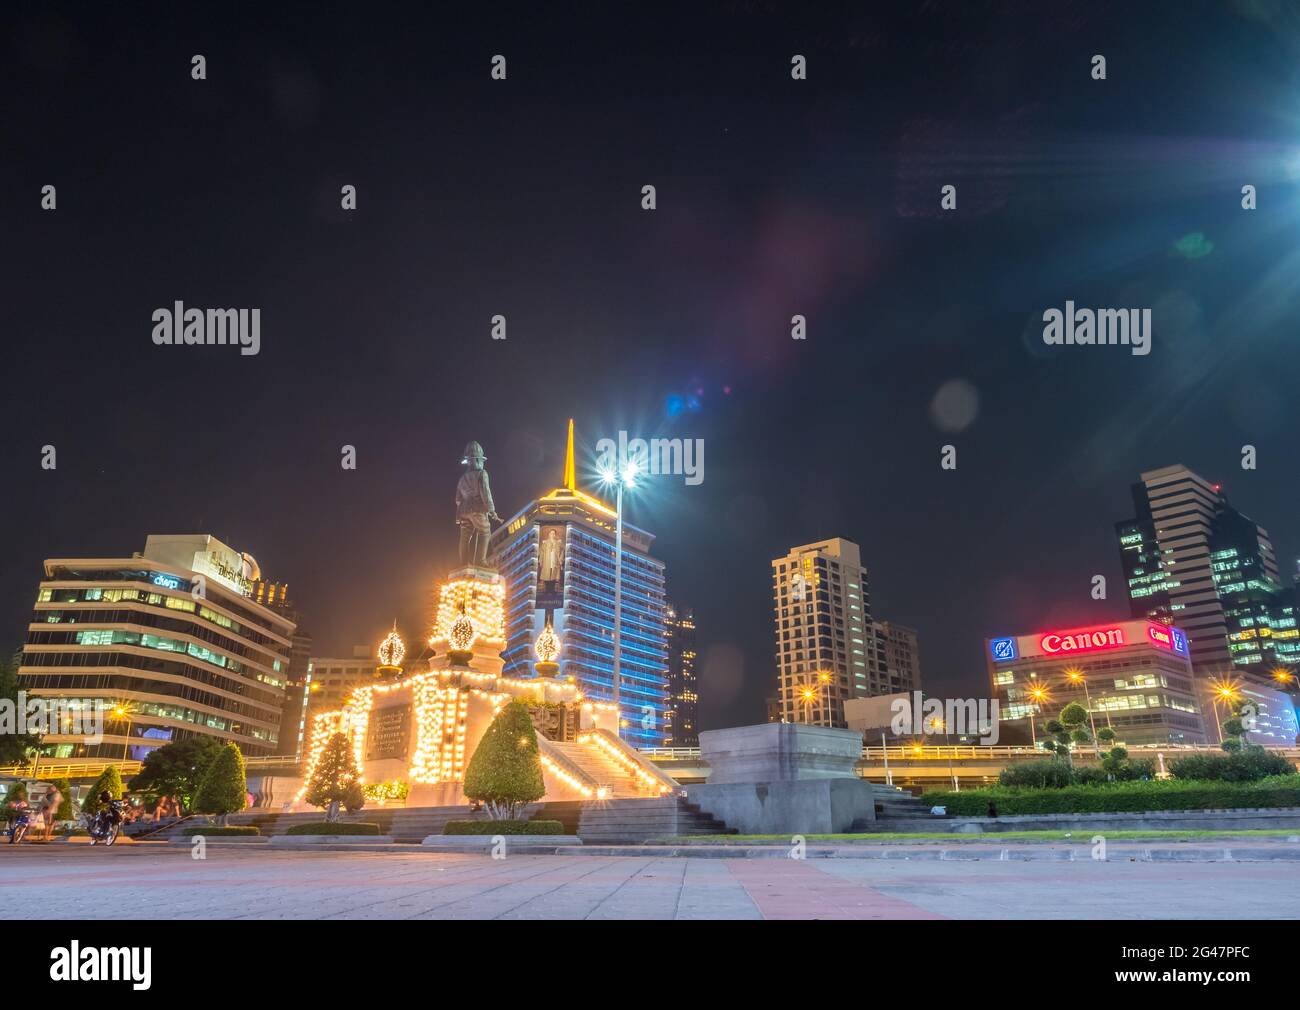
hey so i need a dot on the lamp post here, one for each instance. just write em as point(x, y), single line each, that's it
point(1077, 677)
point(625, 478)
point(123, 710)
point(1039, 694)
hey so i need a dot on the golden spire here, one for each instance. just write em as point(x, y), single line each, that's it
point(570, 469)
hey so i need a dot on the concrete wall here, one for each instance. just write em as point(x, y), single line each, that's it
point(779, 752)
point(809, 806)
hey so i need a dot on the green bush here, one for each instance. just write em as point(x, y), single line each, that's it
point(224, 789)
point(334, 828)
point(1053, 773)
point(1168, 794)
point(513, 827)
point(505, 772)
point(177, 768)
point(110, 779)
point(1248, 765)
point(16, 794)
point(217, 831)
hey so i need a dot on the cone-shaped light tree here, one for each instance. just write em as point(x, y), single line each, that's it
point(335, 781)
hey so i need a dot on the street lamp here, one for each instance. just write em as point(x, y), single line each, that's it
point(1075, 676)
point(1222, 690)
point(620, 479)
point(124, 710)
point(1039, 694)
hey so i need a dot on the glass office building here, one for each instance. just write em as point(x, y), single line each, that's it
point(170, 644)
point(556, 557)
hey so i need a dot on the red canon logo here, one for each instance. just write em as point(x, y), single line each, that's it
point(1084, 640)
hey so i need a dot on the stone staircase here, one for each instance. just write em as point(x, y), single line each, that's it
point(601, 768)
point(630, 821)
point(896, 810)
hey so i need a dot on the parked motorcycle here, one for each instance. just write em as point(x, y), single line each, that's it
point(18, 829)
point(105, 825)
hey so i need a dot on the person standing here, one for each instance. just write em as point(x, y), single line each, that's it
point(50, 803)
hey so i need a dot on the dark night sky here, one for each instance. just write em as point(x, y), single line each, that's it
point(522, 198)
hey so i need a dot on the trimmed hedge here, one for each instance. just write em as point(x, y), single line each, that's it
point(1114, 797)
point(217, 832)
point(335, 828)
point(1249, 765)
point(504, 828)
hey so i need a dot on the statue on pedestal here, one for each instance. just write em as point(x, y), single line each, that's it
point(474, 508)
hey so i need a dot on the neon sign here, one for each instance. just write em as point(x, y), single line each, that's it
point(166, 581)
point(1083, 640)
point(1167, 638)
point(1003, 649)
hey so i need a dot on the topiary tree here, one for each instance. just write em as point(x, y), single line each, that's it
point(224, 789)
point(1106, 735)
point(335, 780)
point(505, 772)
point(110, 779)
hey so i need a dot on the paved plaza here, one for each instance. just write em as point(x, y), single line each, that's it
point(148, 881)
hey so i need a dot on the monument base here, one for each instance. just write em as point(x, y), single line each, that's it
point(801, 807)
point(780, 752)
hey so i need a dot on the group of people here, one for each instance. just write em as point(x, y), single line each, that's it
point(47, 808)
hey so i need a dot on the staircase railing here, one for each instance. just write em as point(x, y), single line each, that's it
point(567, 770)
point(647, 774)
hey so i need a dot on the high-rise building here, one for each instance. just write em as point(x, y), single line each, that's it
point(898, 650)
point(332, 680)
point(683, 693)
point(1133, 676)
point(168, 641)
point(1191, 559)
point(556, 555)
point(826, 648)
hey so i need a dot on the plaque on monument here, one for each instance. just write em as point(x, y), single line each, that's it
point(389, 733)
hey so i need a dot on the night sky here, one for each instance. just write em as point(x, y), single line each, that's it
point(775, 197)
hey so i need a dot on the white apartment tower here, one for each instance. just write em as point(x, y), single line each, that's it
point(825, 642)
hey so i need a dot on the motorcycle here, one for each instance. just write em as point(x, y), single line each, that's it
point(18, 830)
point(105, 825)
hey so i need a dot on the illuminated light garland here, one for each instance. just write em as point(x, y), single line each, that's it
point(323, 726)
point(572, 781)
point(642, 776)
point(483, 602)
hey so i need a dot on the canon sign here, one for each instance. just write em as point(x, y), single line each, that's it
point(1081, 641)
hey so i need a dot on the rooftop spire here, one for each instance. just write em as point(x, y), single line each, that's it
point(570, 469)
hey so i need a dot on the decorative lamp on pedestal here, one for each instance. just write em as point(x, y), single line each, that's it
point(547, 648)
point(391, 652)
point(461, 639)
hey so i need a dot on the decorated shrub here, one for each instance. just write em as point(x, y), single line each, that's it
point(505, 772)
point(334, 782)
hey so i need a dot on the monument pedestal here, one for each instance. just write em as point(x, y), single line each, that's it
point(784, 779)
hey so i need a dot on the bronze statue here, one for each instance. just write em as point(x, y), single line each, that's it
point(474, 508)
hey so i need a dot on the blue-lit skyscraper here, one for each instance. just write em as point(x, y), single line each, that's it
point(556, 555)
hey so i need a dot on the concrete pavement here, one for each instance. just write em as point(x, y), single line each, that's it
point(153, 881)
